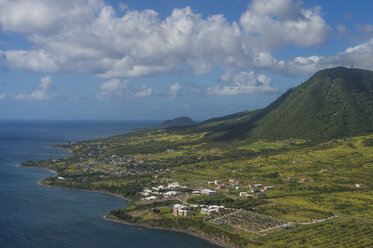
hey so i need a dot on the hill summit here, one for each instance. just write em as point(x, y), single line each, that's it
point(333, 103)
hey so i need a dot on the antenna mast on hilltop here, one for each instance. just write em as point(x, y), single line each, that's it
point(352, 64)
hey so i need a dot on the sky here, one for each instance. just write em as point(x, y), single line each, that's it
point(157, 60)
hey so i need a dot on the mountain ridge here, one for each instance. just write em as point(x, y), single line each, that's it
point(333, 103)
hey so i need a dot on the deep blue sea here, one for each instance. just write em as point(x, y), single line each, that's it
point(37, 216)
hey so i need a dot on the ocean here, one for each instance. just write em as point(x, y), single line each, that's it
point(36, 216)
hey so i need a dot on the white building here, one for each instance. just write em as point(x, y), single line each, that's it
point(208, 192)
point(211, 211)
point(180, 210)
point(174, 185)
point(170, 193)
point(218, 209)
point(204, 210)
point(243, 194)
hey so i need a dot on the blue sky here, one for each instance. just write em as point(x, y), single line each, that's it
point(146, 59)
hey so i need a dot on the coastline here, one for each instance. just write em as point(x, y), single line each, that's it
point(105, 217)
point(52, 171)
point(210, 240)
point(88, 190)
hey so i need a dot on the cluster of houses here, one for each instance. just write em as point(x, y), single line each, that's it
point(257, 191)
point(236, 184)
point(128, 166)
point(114, 159)
point(93, 149)
point(161, 191)
point(220, 185)
point(171, 190)
point(120, 160)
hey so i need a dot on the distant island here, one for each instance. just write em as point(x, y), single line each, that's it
point(177, 122)
point(297, 173)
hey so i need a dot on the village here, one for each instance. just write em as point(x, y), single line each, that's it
point(257, 191)
point(216, 214)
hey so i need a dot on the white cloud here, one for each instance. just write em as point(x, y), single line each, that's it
point(117, 88)
point(2, 97)
point(360, 56)
point(44, 91)
point(184, 89)
point(142, 91)
point(39, 16)
point(242, 83)
point(33, 60)
point(112, 87)
point(175, 89)
point(276, 22)
point(87, 36)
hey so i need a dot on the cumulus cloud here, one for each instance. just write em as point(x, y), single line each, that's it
point(89, 36)
point(40, 16)
point(112, 87)
point(175, 90)
point(360, 56)
point(275, 22)
point(242, 83)
point(44, 91)
point(141, 91)
point(117, 88)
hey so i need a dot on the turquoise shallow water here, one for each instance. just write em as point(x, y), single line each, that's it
point(37, 216)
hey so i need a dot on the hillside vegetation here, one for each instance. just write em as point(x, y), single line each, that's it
point(333, 103)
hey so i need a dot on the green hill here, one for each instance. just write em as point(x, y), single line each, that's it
point(333, 103)
point(180, 121)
